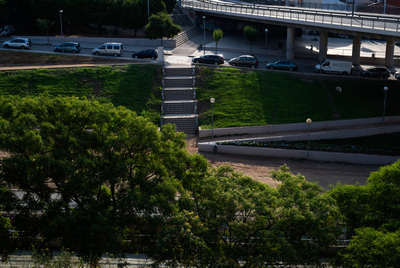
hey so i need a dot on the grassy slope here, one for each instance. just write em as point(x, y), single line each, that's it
point(245, 98)
point(135, 86)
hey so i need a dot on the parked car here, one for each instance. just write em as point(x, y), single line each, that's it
point(72, 47)
point(378, 72)
point(18, 43)
point(397, 75)
point(210, 59)
point(245, 61)
point(114, 49)
point(283, 65)
point(147, 53)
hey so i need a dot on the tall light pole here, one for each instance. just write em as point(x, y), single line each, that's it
point(148, 9)
point(204, 43)
point(212, 100)
point(308, 121)
point(62, 34)
point(266, 41)
point(385, 89)
point(384, 6)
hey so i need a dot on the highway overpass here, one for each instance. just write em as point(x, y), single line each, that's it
point(357, 25)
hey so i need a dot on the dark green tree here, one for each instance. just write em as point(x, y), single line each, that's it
point(44, 26)
point(227, 219)
point(97, 174)
point(251, 33)
point(160, 25)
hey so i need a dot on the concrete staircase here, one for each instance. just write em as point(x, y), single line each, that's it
point(186, 35)
point(179, 104)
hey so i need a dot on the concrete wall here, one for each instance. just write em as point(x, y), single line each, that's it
point(361, 159)
point(271, 129)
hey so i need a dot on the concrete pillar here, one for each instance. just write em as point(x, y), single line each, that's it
point(389, 53)
point(323, 46)
point(290, 43)
point(356, 50)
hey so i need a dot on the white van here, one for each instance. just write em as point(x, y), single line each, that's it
point(334, 66)
point(114, 49)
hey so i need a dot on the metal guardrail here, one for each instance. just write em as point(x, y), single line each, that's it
point(359, 22)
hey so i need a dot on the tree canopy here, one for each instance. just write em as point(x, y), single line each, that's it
point(251, 33)
point(91, 170)
point(160, 25)
point(79, 15)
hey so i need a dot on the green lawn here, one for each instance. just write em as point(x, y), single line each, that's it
point(246, 97)
point(138, 87)
point(243, 97)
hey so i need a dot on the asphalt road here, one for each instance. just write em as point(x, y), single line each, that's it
point(231, 45)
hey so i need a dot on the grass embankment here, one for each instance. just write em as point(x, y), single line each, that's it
point(248, 98)
point(136, 87)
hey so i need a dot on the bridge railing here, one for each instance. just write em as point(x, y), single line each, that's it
point(390, 24)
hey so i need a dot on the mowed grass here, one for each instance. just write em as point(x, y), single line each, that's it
point(137, 87)
point(251, 97)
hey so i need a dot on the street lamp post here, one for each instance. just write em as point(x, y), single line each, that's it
point(204, 35)
point(266, 41)
point(212, 100)
point(308, 121)
point(385, 89)
point(62, 34)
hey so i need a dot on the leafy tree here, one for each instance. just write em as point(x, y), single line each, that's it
point(97, 174)
point(44, 25)
point(251, 33)
point(371, 248)
point(226, 219)
point(170, 5)
point(7, 244)
point(217, 35)
point(160, 25)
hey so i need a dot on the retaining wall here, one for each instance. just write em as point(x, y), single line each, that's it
point(314, 126)
point(349, 158)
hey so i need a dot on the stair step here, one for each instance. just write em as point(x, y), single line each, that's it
point(179, 82)
point(178, 71)
point(184, 123)
point(178, 94)
point(179, 107)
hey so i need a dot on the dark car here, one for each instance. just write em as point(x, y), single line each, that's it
point(72, 47)
point(245, 61)
point(147, 53)
point(378, 72)
point(282, 65)
point(209, 59)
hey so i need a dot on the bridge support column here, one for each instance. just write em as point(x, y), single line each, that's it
point(356, 50)
point(389, 53)
point(290, 43)
point(323, 46)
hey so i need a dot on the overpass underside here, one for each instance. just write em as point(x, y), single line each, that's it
point(356, 25)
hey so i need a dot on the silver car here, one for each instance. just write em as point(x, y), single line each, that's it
point(18, 43)
point(397, 75)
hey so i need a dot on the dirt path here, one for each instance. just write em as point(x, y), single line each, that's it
point(258, 168)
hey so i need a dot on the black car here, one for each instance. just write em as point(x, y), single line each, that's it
point(378, 72)
point(245, 61)
point(282, 65)
point(210, 59)
point(147, 53)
